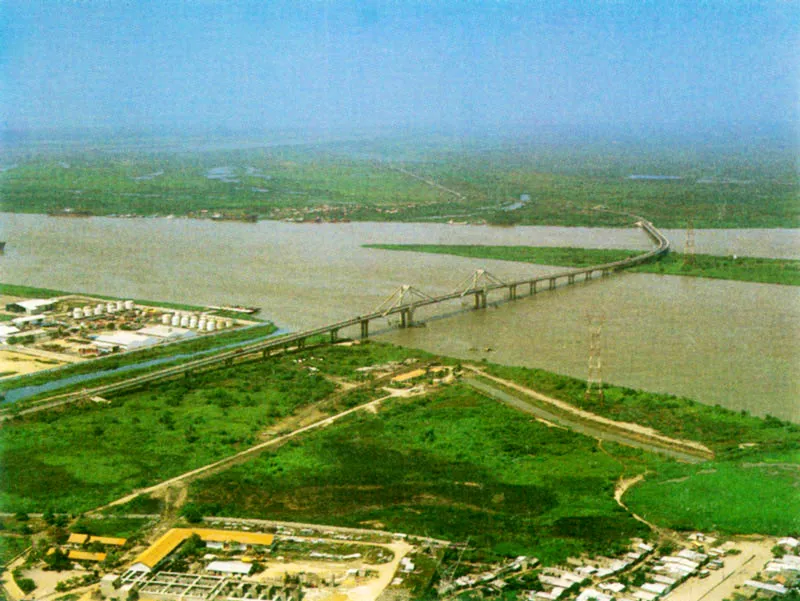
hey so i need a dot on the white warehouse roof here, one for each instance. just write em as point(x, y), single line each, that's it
point(229, 567)
point(166, 332)
point(127, 340)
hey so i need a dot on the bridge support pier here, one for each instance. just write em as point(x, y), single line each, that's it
point(334, 335)
point(606, 273)
point(588, 275)
point(406, 318)
point(365, 328)
point(571, 279)
point(512, 292)
point(552, 283)
point(532, 288)
point(480, 300)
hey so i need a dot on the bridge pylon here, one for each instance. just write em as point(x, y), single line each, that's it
point(478, 280)
point(405, 297)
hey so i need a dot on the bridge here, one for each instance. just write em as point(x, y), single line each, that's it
point(403, 303)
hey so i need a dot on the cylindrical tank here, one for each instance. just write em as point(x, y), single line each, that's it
point(202, 323)
point(228, 323)
point(77, 314)
point(128, 305)
point(166, 318)
point(87, 309)
point(185, 321)
point(210, 325)
point(111, 307)
point(120, 305)
point(193, 322)
point(176, 319)
point(98, 310)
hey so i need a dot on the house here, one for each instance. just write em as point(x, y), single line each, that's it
point(7, 332)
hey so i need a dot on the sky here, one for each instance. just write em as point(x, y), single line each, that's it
point(394, 64)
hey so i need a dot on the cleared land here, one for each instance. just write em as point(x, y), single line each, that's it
point(744, 269)
point(453, 465)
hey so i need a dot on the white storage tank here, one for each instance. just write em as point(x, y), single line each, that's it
point(202, 323)
point(228, 323)
point(166, 318)
point(98, 310)
point(210, 325)
point(176, 319)
point(87, 312)
point(111, 307)
point(77, 314)
point(193, 322)
point(120, 305)
point(128, 305)
point(185, 321)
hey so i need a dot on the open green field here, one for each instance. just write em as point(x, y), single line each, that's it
point(756, 495)
point(77, 458)
point(720, 429)
point(744, 269)
point(733, 185)
point(453, 465)
point(11, 546)
point(110, 526)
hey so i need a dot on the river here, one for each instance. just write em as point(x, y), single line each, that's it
point(732, 343)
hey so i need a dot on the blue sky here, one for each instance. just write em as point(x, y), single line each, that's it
point(395, 64)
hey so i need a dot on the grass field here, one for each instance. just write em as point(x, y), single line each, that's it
point(722, 430)
point(759, 495)
point(454, 465)
point(110, 526)
point(727, 186)
point(78, 458)
point(745, 269)
point(11, 546)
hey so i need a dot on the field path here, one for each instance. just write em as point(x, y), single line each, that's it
point(184, 478)
point(587, 423)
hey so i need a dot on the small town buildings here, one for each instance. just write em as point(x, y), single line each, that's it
point(239, 568)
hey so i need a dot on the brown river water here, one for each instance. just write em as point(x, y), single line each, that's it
point(732, 343)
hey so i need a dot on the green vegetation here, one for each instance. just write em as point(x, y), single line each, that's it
point(453, 465)
point(722, 430)
point(728, 184)
point(110, 526)
point(11, 546)
point(737, 497)
point(745, 269)
point(79, 457)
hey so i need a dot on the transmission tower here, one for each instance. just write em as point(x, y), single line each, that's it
point(688, 248)
point(594, 381)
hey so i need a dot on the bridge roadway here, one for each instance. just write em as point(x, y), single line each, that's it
point(405, 311)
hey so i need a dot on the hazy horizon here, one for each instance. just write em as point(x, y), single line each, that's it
point(387, 66)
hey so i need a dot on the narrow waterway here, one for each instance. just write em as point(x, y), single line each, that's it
point(732, 343)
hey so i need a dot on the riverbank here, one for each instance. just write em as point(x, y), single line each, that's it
point(741, 269)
